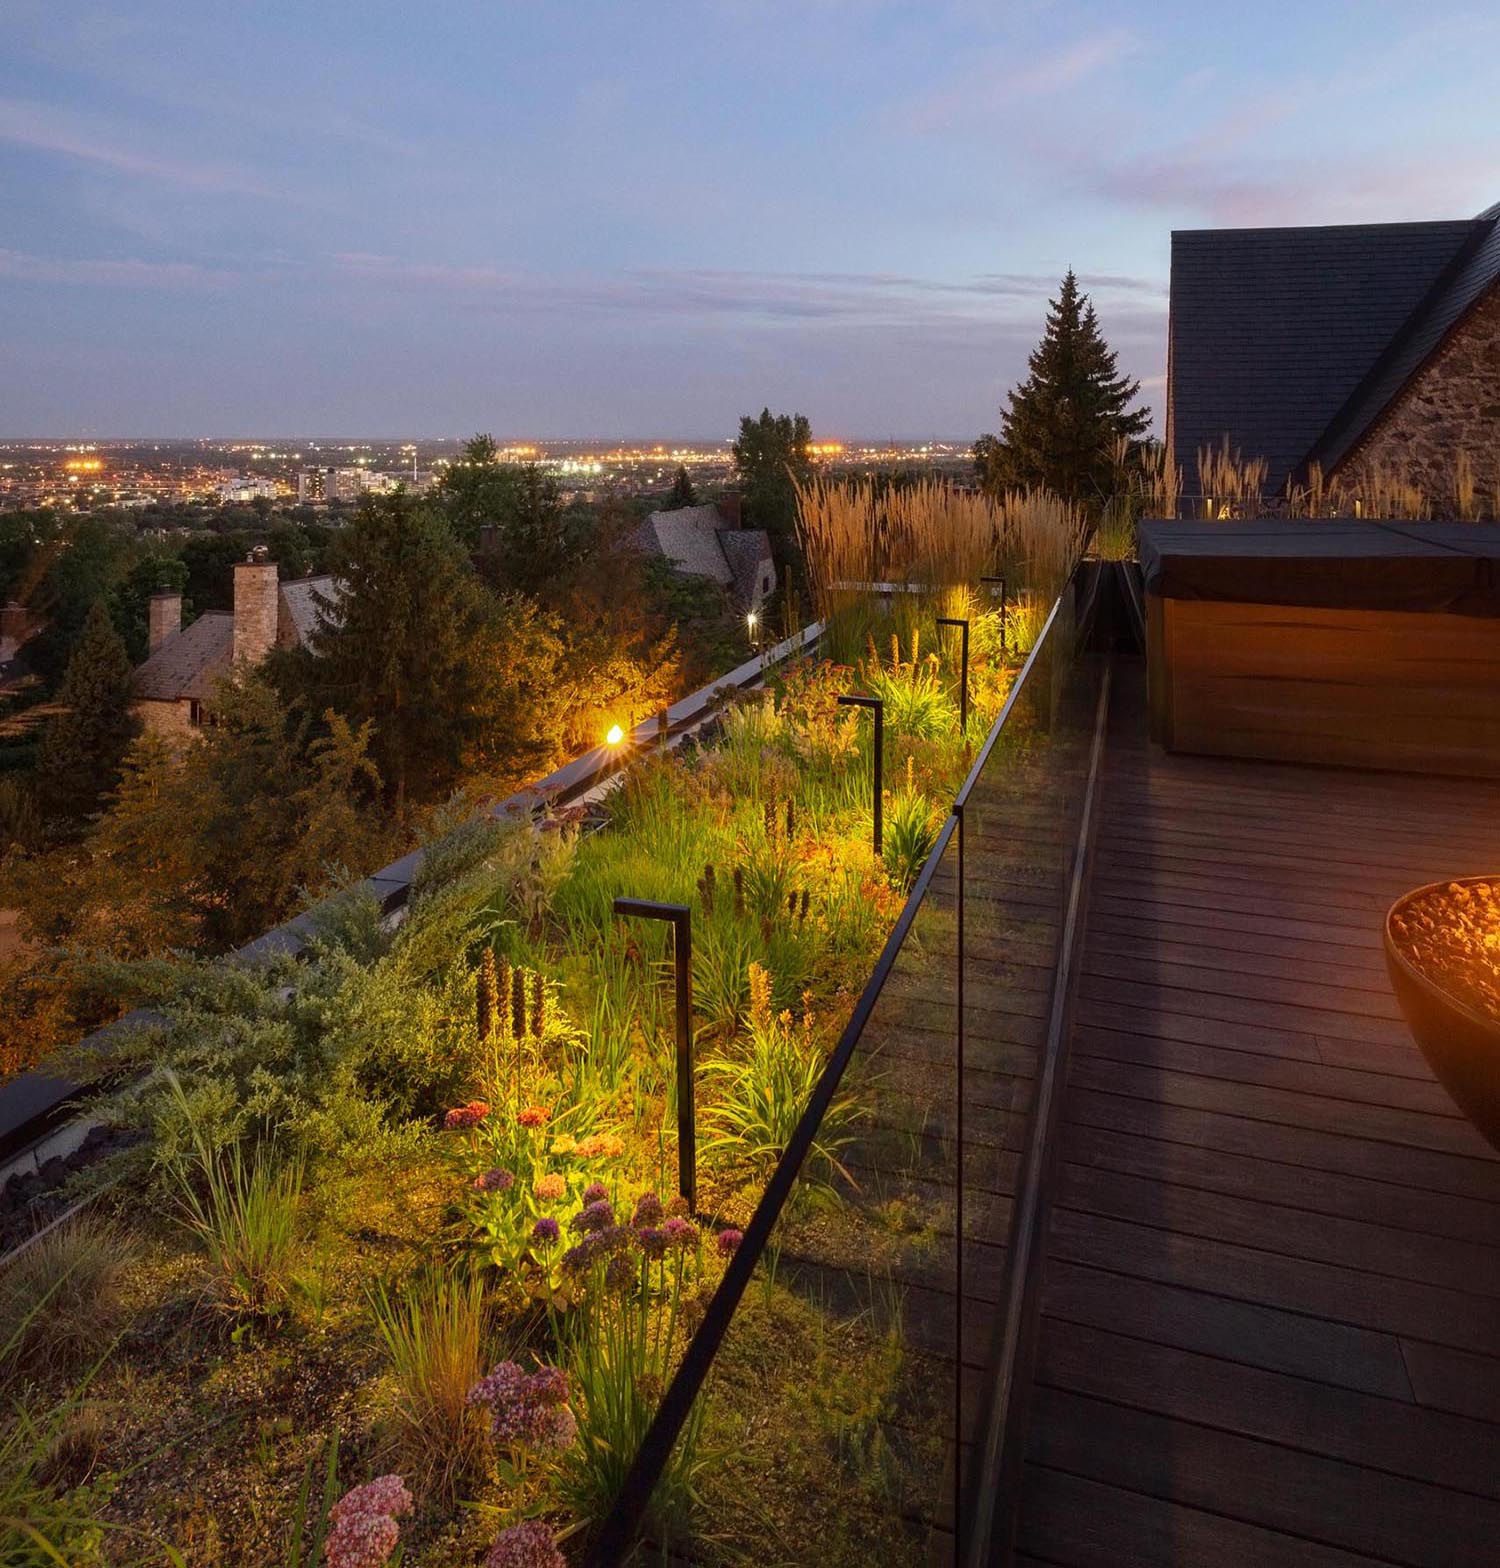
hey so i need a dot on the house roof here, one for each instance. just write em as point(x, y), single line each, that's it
point(299, 598)
point(187, 664)
point(1293, 341)
point(748, 552)
point(689, 538)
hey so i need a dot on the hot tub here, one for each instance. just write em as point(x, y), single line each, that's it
point(1373, 644)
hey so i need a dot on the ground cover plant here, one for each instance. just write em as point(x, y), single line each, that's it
point(401, 1266)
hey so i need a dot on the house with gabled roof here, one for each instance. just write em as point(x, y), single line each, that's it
point(1341, 347)
point(707, 541)
point(173, 687)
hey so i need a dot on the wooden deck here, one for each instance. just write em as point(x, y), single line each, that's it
point(1270, 1291)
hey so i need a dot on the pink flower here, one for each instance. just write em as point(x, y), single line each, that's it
point(527, 1412)
point(528, 1545)
point(469, 1115)
point(549, 1188)
point(535, 1116)
point(364, 1524)
point(728, 1242)
point(595, 1192)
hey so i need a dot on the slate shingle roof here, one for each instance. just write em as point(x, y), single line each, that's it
point(187, 664)
point(1292, 341)
point(748, 551)
point(299, 605)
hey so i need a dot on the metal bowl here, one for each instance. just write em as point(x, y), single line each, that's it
point(1461, 1044)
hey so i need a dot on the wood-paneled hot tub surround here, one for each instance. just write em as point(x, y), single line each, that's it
point(1372, 644)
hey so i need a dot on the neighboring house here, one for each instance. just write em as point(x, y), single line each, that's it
point(17, 627)
point(706, 541)
point(174, 685)
point(1362, 345)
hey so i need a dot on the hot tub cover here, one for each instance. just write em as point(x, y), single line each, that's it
point(1338, 563)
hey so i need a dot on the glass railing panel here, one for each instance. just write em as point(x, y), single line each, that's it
point(824, 1432)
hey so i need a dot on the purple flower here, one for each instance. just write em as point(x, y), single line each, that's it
point(619, 1272)
point(595, 1192)
point(546, 1231)
point(648, 1211)
point(596, 1215)
point(679, 1232)
point(528, 1545)
point(594, 1248)
point(494, 1180)
point(653, 1242)
point(728, 1242)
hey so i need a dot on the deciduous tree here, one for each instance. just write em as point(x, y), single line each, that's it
point(771, 455)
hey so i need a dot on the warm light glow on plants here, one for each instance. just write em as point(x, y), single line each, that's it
point(615, 736)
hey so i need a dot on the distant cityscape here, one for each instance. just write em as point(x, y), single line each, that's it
point(140, 474)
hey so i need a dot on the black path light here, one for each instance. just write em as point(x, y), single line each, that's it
point(1001, 581)
point(878, 708)
point(963, 690)
point(681, 919)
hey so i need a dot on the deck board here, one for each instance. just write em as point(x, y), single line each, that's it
point(1270, 1290)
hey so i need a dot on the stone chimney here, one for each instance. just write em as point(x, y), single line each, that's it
point(164, 619)
point(257, 601)
point(729, 509)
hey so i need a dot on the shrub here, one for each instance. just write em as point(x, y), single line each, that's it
point(433, 1329)
point(60, 1299)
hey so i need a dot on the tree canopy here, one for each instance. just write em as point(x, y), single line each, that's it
point(1061, 424)
point(770, 454)
point(458, 681)
point(535, 537)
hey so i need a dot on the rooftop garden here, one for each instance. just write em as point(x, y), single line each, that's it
point(390, 1253)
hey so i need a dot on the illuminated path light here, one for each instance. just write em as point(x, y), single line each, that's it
point(680, 918)
point(877, 706)
point(963, 690)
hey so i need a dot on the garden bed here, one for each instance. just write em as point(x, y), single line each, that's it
point(423, 1151)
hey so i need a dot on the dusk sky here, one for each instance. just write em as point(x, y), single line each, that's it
point(641, 218)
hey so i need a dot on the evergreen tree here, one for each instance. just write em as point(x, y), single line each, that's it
point(1062, 422)
point(771, 454)
point(682, 492)
point(81, 750)
point(458, 681)
point(535, 537)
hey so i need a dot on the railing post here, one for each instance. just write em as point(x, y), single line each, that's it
point(680, 917)
point(958, 1206)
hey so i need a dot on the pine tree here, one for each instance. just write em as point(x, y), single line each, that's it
point(81, 750)
point(1062, 422)
point(682, 493)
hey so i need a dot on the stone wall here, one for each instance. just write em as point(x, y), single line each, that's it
point(1452, 407)
point(173, 721)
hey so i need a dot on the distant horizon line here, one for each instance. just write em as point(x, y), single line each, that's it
point(503, 441)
